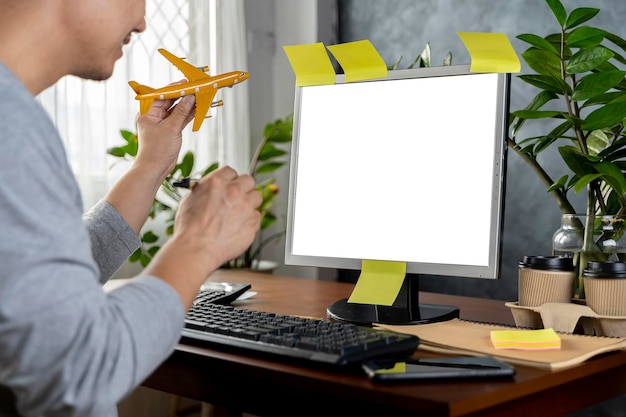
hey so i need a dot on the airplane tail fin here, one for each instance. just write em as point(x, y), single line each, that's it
point(144, 103)
point(140, 88)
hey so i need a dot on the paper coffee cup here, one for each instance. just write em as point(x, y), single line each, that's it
point(545, 279)
point(605, 287)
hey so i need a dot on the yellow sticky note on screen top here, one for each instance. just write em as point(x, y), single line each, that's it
point(311, 64)
point(359, 60)
point(539, 339)
point(490, 52)
point(379, 282)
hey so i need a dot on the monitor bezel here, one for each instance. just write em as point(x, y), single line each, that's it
point(492, 269)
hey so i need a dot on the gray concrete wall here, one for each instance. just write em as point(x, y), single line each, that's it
point(403, 27)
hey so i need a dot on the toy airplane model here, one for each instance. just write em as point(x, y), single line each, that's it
point(203, 85)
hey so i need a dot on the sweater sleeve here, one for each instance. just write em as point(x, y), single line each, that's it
point(67, 348)
point(112, 239)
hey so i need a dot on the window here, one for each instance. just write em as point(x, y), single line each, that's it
point(89, 114)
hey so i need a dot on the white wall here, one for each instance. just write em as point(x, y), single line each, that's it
point(272, 24)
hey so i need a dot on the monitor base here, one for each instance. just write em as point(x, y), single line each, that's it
point(366, 314)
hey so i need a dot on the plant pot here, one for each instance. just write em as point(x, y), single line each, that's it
point(264, 265)
point(606, 242)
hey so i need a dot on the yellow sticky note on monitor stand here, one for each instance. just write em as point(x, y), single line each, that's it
point(490, 52)
point(379, 282)
point(359, 60)
point(311, 64)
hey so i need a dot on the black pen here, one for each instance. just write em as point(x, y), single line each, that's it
point(185, 183)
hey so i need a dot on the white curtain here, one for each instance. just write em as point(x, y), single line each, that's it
point(89, 115)
point(222, 43)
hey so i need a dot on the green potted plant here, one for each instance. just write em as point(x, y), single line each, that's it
point(267, 158)
point(579, 72)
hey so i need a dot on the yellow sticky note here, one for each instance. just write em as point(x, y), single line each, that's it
point(397, 368)
point(359, 60)
point(311, 64)
point(490, 52)
point(379, 282)
point(539, 339)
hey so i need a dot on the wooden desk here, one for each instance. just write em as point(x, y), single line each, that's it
point(264, 387)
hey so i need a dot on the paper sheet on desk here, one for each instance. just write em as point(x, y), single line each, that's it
point(465, 337)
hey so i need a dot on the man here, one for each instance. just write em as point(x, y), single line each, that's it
point(67, 348)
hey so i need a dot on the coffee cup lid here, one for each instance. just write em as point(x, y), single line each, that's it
point(597, 269)
point(552, 263)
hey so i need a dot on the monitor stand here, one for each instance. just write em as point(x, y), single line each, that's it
point(405, 310)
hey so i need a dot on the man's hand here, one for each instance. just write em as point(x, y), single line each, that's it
point(214, 223)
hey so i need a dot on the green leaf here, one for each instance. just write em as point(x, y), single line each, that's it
point(538, 42)
point(616, 40)
point(423, 59)
point(153, 250)
point(597, 83)
point(149, 237)
point(280, 134)
point(580, 16)
point(612, 171)
point(118, 151)
point(619, 58)
point(551, 137)
point(536, 114)
point(585, 37)
point(615, 151)
point(597, 141)
point(543, 143)
point(558, 11)
point(186, 165)
point(540, 99)
point(560, 183)
point(542, 62)
point(588, 59)
point(604, 117)
point(267, 220)
point(610, 97)
point(210, 168)
point(585, 180)
point(269, 151)
point(136, 256)
point(545, 82)
point(269, 167)
point(575, 160)
point(394, 66)
point(128, 136)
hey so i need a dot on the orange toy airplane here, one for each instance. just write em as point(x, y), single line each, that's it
point(203, 85)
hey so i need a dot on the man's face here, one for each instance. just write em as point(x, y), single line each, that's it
point(98, 31)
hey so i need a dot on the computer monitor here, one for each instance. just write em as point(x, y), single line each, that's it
point(407, 168)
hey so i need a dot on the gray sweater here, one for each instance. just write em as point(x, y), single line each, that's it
point(67, 348)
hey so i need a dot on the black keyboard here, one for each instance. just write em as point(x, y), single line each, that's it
point(220, 292)
point(299, 338)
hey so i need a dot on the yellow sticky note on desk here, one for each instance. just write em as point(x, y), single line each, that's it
point(490, 52)
point(311, 64)
point(397, 368)
point(379, 282)
point(539, 339)
point(359, 60)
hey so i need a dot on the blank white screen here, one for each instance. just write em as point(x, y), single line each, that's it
point(399, 170)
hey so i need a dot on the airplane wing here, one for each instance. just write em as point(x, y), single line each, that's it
point(191, 72)
point(204, 100)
